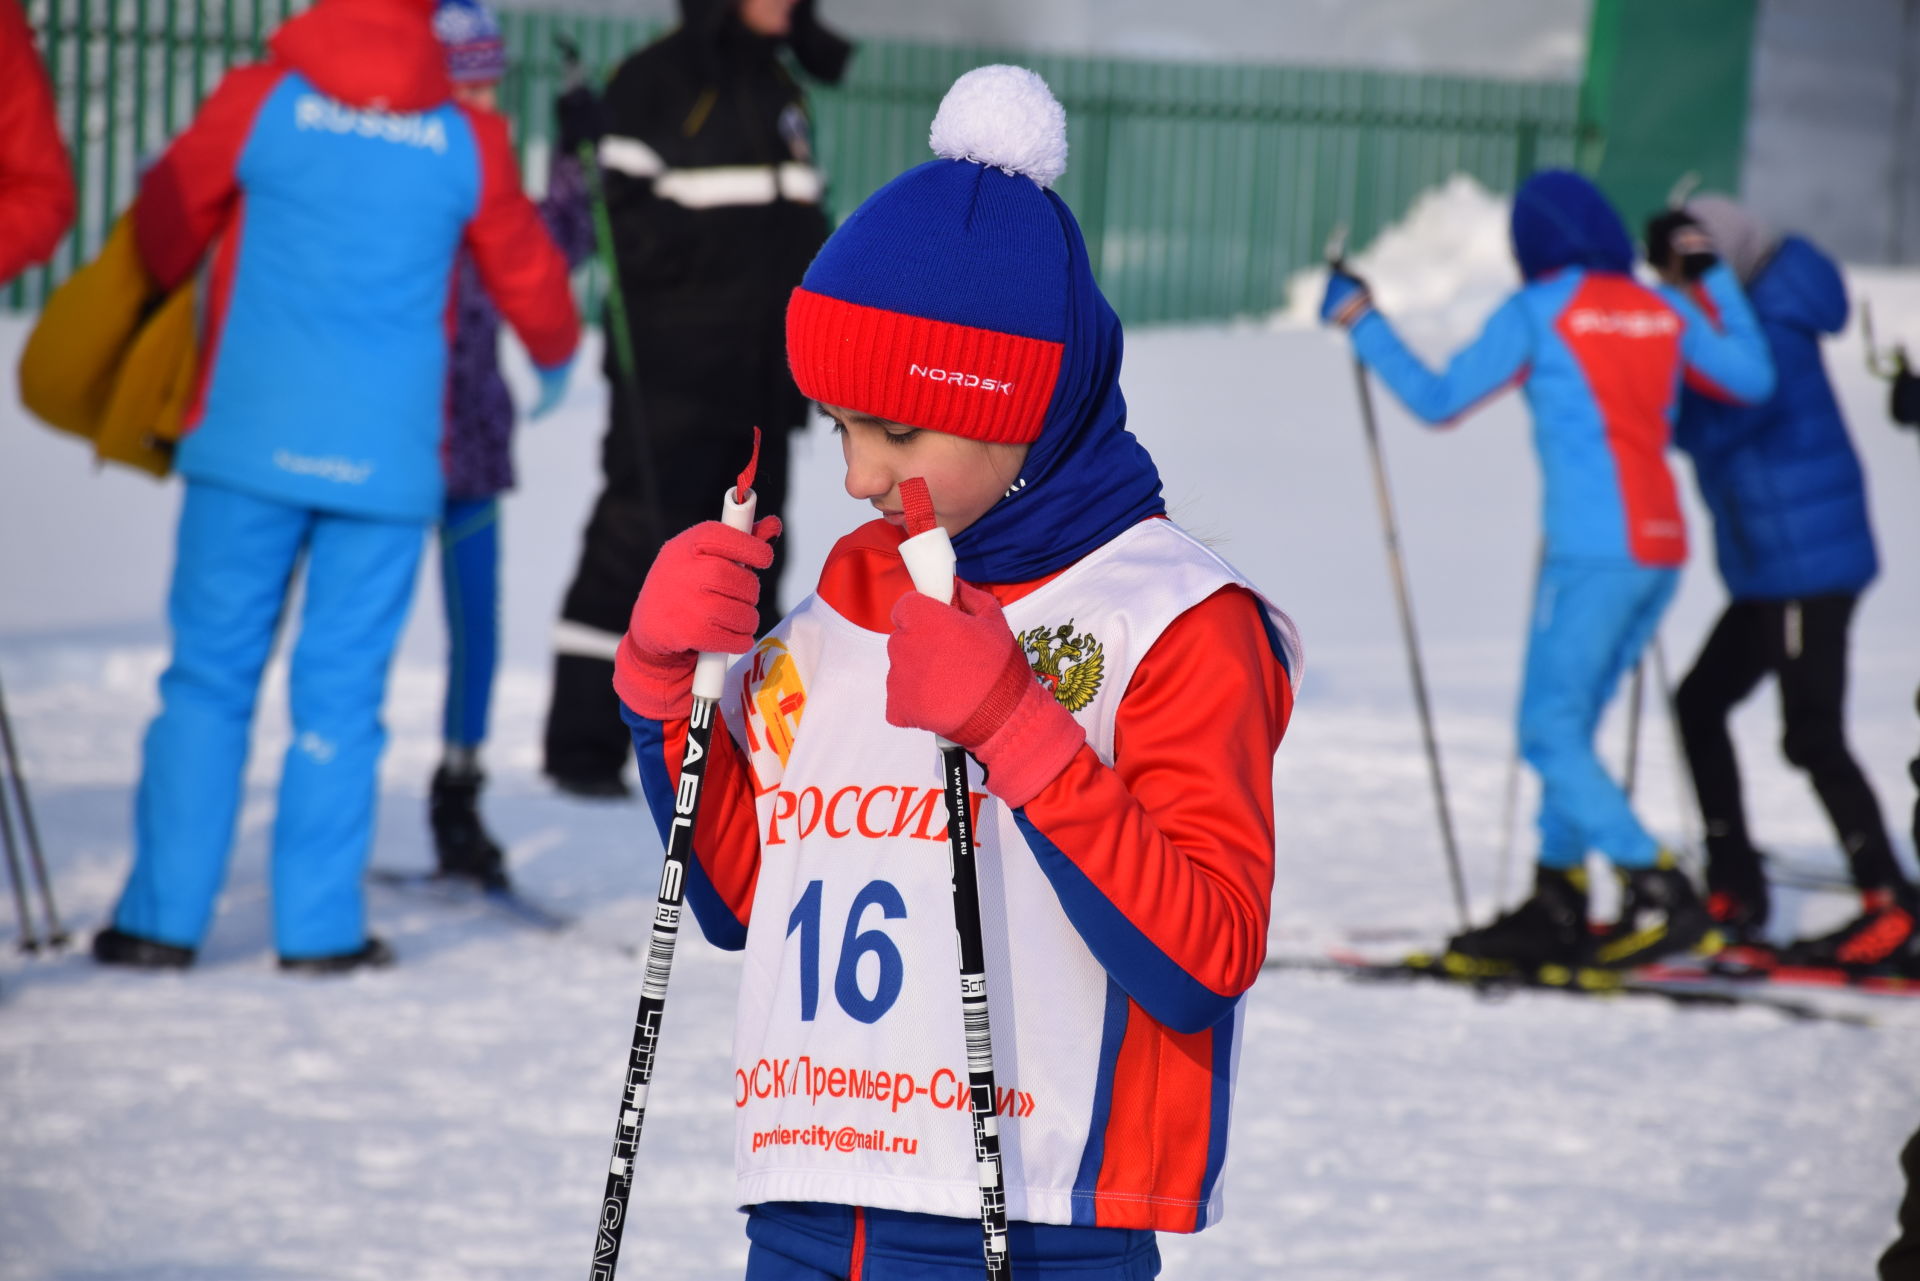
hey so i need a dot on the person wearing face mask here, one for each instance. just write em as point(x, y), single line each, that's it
point(715, 206)
point(1795, 550)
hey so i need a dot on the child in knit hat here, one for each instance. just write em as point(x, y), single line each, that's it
point(478, 458)
point(1121, 691)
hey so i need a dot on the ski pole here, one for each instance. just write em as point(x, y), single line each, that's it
point(929, 558)
point(1336, 260)
point(29, 938)
point(737, 505)
point(1636, 694)
point(1693, 818)
point(620, 334)
point(1510, 803)
point(56, 934)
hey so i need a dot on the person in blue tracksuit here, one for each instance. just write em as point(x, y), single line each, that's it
point(329, 188)
point(1795, 550)
point(1600, 359)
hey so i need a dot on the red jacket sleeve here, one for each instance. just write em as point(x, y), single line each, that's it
point(188, 196)
point(1164, 860)
point(520, 266)
point(726, 841)
point(36, 182)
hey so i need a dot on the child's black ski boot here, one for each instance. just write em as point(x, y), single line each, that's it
point(1549, 928)
point(1660, 915)
point(460, 841)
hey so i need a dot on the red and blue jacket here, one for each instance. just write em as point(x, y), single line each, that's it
point(335, 184)
point(1162, 861)
point(1601, 359)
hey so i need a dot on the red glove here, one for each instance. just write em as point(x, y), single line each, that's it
point(957, 670)
point(701, 596)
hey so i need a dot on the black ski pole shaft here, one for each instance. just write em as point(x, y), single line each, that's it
point(981, 1090)
point(1510, 801)
point(929, 557)
point(56, 935)
point(737, 509)
point(1397, 565)
point(1636, 694)
point(29, 938)
point(1692, 816)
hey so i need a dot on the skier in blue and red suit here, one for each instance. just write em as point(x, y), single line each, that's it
point(1600, 359)
point(328, 190)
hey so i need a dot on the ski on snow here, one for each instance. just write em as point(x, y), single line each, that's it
point(503, 900)
point(1686, 984)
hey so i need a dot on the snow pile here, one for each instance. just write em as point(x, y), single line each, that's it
point(1439, 271)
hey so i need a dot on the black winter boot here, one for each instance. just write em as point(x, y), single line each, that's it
point(1737, 895)
point(1550, 928)
point(374, 954)
point(460, 841)
point(1660, 915)
point(113, 946)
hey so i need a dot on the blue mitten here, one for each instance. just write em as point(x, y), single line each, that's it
point(1347, 300)
point(553, 389)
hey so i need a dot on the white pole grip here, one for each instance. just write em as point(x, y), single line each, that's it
point(929, 558)
point(930, 561)
point(710, 673)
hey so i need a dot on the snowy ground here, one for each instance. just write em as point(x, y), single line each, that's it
point(451, 1118)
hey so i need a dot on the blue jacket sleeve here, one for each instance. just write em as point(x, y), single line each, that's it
point(1493, 360)
point(1731, 357)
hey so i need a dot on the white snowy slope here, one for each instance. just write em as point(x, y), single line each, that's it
point(452, 1117)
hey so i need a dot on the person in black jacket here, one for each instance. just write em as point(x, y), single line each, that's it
point(715, 205)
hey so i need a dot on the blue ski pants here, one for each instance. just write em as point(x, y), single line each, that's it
point(236, 560)
point(470, 590)
point(1590, 622)
point(811, 1241)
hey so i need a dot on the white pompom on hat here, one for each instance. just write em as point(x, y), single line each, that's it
point(1006, 117)
point(947, 299)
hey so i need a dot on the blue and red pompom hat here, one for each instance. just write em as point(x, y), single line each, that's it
point(470, 34)
point(959, 298)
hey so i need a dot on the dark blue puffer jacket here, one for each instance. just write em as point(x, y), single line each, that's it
point(1781, 478)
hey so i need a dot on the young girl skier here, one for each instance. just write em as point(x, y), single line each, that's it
point(478, 455)
point(1124, 809)
point(1601, 359)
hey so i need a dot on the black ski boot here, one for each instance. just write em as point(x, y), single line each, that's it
point(374, 954)
point(113, 946)
point(460, 841)
point(1737, 896)
point(1550, 928)
point(1660, 915)
point(1883, 936)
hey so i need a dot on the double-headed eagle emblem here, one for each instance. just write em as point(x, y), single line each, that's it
point(1069, 665)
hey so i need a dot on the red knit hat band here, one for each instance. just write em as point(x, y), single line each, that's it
point(976, 383)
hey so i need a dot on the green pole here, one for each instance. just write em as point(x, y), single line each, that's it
point(170, 46)
point(78, 138)
point(109, 200)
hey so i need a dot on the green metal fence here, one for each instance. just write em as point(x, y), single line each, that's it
point(1201, 188)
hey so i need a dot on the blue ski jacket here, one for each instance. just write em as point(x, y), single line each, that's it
point(1600, 358)
point(1781, 478)
point(328, 190)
